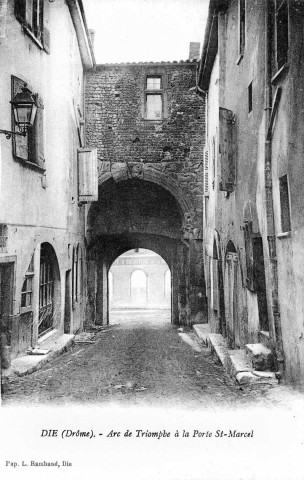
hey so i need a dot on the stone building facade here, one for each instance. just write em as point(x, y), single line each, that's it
point(251, 71)
point(42, 255)
point(147, 124)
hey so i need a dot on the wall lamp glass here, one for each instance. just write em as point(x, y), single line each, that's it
point(24, 110)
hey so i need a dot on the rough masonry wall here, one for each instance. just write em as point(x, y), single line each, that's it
point(116, 124)
point(167, 152)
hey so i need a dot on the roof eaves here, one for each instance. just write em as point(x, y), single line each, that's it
point(210, 45)
point(82, 33)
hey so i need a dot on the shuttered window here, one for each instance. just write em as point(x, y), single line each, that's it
point(227, 150)
point(31, 147)
point(30, 13)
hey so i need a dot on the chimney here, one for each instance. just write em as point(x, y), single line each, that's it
point(92, 37)
point(194, 52)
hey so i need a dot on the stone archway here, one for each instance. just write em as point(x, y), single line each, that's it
point(133, 212)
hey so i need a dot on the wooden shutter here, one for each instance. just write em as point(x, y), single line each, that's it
point(226, 150)
point(35, 137)
point(20, 144)
point(206, 172)
point(248, 240)
point(87, 175)
point(19, 10)
point(29, 12)
point(46, 40)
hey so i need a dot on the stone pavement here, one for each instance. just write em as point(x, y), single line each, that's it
point(141, 360)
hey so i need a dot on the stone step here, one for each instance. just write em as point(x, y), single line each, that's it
point(238, 363)
point(261, 357)
point(27, 364)
point(203, 331)
point(218, 346)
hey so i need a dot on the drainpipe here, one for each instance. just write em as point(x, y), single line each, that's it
point(269, 201)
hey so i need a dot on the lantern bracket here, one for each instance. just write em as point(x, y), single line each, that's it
point(8, 134)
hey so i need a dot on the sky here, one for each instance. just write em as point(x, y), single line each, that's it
point(145, 30)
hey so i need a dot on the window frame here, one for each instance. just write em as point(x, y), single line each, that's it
point(153, 91)
point(28, 290)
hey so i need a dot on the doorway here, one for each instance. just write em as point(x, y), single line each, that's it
point(6, 303)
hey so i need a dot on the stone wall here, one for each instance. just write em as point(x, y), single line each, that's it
point(162, 157)
point(117, 127)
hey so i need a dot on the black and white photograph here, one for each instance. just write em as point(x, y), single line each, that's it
point(152, 239)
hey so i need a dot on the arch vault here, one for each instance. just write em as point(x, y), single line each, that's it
point(145, 211)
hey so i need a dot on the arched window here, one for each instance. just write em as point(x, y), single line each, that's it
point(167, 283)
point(47, 305)
point(139, 287)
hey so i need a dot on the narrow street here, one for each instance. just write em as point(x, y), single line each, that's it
point(139, 360)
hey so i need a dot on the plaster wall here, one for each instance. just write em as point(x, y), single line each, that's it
point(226, 212)
point(288, 150)
point(40, 205)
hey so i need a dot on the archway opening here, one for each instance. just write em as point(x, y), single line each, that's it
point(139, 288)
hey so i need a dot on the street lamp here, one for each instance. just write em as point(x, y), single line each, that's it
point(24, 110)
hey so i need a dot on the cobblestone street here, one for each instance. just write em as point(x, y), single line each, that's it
point(141, 359)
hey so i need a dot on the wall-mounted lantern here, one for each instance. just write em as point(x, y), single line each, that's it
point(24, 111)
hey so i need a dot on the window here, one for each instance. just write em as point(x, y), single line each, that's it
point(31, 147)
point(154, 98)
point(3, 238)
point(30, 13)
point(242, 26)
point(139, 287)
point(284, 203)
point(250, 97)
point(27, 292)
point(27, 288)
point(46, 294)
point(282, 30)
